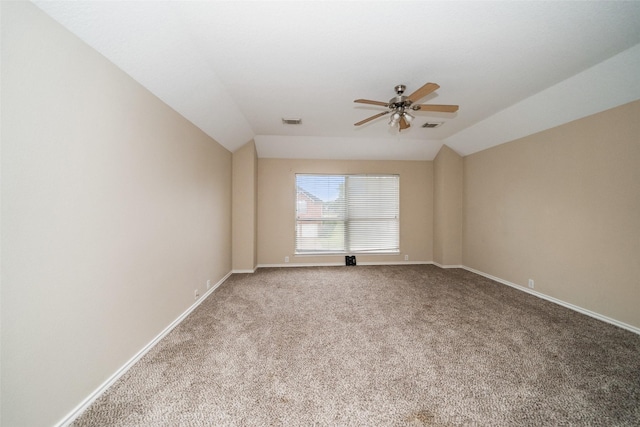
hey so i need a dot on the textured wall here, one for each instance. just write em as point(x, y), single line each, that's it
point(562, 207)
point(447, 214)
point(115, 209)
point(244, 211)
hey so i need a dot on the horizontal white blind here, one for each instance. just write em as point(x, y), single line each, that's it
point(347, 213)
point(372, 210)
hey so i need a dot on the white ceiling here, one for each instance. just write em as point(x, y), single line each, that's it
point(236, 68)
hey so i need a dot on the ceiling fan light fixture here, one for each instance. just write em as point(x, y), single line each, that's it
point(395, 118)
point(408, 117)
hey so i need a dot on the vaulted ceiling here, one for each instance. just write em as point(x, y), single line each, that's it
point(236, 68)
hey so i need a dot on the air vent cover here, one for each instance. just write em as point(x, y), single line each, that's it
point(291, 121)
point(432, 124)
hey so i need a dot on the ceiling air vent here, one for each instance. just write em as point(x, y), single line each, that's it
point(291, 121)
point(432, 124)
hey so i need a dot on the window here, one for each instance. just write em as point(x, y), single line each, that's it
point(347, 213)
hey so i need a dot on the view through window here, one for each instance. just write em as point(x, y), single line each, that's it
point(347, 213)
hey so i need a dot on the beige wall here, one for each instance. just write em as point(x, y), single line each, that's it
point(245, 205)
point(562, 207)
point(447, 214)
point(114, 210)
point(276, 207)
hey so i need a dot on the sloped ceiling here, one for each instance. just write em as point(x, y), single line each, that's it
point(235, 69)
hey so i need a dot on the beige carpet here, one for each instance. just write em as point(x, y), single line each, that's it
point(378, 346)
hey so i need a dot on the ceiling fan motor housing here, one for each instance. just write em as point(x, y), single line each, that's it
point(399, 101)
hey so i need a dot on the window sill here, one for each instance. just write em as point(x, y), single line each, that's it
point(306, 254)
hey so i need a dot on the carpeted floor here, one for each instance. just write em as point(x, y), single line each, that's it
point(378, 346)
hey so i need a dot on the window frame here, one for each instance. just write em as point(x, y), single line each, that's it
point(345, 220)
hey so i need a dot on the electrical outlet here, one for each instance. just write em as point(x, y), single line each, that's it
point(208, 284)
point(196, 294)
point(286, 259)
point(531, 283)
point(406, 257)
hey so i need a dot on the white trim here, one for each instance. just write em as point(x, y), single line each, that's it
point(341, 264)
point(78, 410)
point(395, 263)
point(330, 254)
point(244, 271)
point(557, 301)
point(300, 264)
point(447, 266)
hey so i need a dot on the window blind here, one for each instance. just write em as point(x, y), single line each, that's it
point(347, 213)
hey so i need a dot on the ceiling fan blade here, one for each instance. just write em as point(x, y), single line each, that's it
point(404, 124)
point(371, 118)
point(434, 107)
point(368, 101)
point(423, 91)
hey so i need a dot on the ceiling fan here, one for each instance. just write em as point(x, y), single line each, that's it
point(400, 104)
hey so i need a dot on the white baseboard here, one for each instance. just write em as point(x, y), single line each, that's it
point(301, 264)
point(447, 266)
point(396, 263)
point(341, 264)
point(557, 301)
point(75, 413)
point(243, 271)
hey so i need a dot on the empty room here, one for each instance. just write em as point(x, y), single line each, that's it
point(349, 213)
